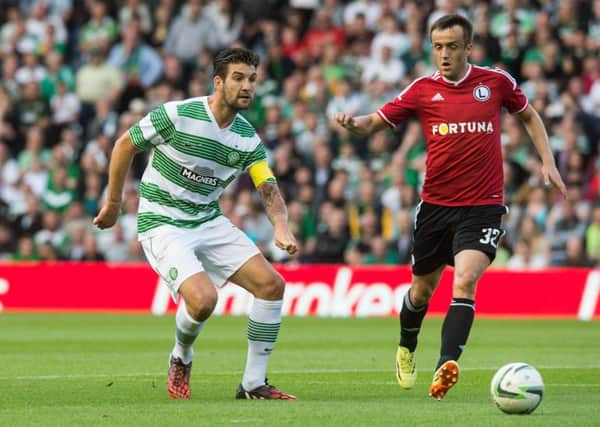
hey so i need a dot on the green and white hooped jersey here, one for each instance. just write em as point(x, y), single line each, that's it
point(191, 163)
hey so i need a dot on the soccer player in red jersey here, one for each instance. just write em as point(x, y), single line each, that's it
point(458, 221)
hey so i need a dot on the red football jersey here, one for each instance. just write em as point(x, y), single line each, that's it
point(461, 124)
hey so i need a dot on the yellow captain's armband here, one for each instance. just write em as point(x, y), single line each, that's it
point(261, 172)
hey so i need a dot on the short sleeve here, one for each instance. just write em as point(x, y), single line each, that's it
point(512, 98)
point(402, 107)
point(257, 155)
point(157, 127)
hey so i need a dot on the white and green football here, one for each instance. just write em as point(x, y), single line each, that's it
point(517, 388)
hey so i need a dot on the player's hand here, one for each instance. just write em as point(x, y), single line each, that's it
point(108, 215)
point(345, 120)
point(285, 240)
point(550, 174)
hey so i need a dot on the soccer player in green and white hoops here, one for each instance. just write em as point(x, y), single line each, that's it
point(198, 146)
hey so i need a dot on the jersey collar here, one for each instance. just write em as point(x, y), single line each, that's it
point(457, 82)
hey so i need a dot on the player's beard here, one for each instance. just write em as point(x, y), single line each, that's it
point(233, 103)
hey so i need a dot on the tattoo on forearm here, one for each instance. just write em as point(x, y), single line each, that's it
point(272, 200)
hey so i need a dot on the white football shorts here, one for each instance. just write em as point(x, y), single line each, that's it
point(216, 247)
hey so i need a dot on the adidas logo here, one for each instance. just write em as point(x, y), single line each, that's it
point(437, 97)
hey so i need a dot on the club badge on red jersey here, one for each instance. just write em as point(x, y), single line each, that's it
point(481, 93)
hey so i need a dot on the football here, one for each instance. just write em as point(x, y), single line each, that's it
point(517, 388)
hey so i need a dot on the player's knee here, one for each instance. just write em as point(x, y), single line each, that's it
point(465, 282)
point(421, 290)
point(201, 304)
point(420, 295)
point(273, 288)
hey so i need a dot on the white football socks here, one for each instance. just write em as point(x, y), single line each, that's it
point(263, 327)
point(187, 329)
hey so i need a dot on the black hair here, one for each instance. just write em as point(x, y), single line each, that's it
point(233, 55)
point(449, 21)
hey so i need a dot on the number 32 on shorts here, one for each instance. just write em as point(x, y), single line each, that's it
point(490, 236)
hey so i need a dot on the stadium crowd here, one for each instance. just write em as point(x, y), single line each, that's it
point(76, 74)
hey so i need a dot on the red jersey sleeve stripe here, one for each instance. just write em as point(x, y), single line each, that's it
point(385, 119)
point(522, 109)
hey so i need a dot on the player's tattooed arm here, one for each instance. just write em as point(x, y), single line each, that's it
point(277, 213)
point(273, 202)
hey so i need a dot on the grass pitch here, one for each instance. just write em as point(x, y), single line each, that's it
point(109, 370)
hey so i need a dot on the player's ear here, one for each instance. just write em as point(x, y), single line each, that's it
point(468, 48)
point(217, 82)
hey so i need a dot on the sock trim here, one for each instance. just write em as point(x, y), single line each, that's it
point(411, 306)
point(463, 302)
point(265, 332)
point(455, 304)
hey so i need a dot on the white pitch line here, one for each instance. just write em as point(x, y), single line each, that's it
point(573, 385)
point(282, 372)
point(395, 383)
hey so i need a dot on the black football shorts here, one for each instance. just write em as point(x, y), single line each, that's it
point(443, 231)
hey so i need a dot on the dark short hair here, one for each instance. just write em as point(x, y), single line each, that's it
point(449, 21)
point(233, 55)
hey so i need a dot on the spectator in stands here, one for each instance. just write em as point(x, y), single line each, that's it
point(64, 106)
point(34, 149)
point(323, 33)
point(58, 196)
point(163, 14)
point(384, 67)
point(563, 225)
point(332, 241)
point(139, 63)
point(26, 250)
point(257, 226)
point(592, 237)
point(523, 258)
point(52, 233)
point(136, 10)
point(97, 79)
point(369, 9)
point(7, 241)
point(32, 108)
point(100, 31)
point(31, 70)
point(391, 36)
point(190, 24)
point(10, 65)
point(593, 27)
point(90, 249)
point(322, 167)
point(575, 254)
point(380, 253)
point(9, 168)
point(57, 72)
point(119, 250)
point(538, 246)
point(105, 119)
point(513, 18)
point(227, 21)
point(403, 238)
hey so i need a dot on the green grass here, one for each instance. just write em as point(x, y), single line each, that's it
point(107, 370)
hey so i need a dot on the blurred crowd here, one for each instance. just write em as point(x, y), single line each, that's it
point(76, 74)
